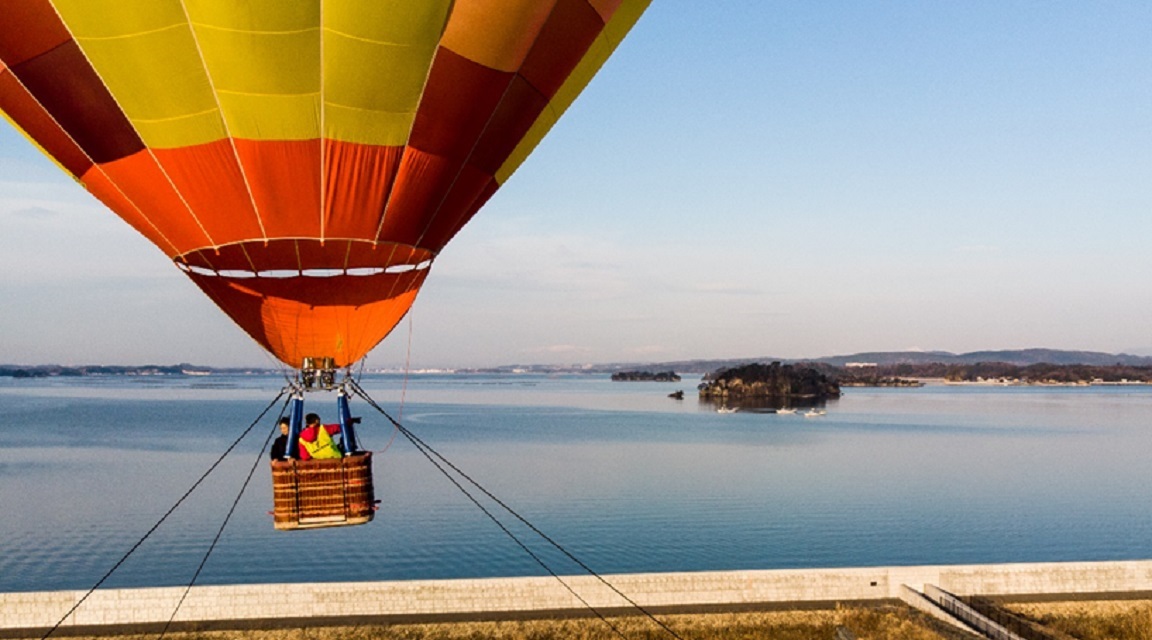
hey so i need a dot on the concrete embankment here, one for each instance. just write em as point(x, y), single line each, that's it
point(240, 606)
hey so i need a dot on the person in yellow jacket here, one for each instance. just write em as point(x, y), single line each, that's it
point(317, 441)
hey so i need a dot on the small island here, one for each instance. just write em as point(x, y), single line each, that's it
point(769, 385)
point(645, 376)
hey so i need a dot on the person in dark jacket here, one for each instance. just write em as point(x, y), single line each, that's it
point(280, 444)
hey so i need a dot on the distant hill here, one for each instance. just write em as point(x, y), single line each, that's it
point(1019, 357)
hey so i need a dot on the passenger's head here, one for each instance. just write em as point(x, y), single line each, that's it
point(311, 419)
point(284, 422)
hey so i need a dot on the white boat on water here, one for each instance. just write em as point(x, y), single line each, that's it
point(727, 409)
point(813, 413)
point(786, 412)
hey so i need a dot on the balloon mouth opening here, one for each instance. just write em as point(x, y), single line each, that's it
point(303, 298)
point(281, 274)
point(280, 259)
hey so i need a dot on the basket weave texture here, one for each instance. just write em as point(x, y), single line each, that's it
point(323, 493)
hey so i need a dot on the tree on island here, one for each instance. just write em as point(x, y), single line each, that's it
point(773, 382)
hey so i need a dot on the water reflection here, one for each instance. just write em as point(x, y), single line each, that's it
point(785, 405)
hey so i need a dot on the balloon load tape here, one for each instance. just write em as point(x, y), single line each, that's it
point(318, 373)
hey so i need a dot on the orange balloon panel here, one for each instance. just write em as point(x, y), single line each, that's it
point(302, 162)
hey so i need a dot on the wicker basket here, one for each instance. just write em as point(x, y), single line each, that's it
point(323, 493)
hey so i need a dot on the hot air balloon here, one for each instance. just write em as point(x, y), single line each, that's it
point(303, 161)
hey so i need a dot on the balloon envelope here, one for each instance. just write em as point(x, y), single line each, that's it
point(303, 162)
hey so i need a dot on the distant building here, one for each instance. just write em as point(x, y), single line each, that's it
point(859, 365)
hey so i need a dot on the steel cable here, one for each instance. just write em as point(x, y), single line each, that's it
point(431, 453)
point(227, 517)
point(164, 517)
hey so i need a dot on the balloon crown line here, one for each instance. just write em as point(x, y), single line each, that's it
point(306, 273)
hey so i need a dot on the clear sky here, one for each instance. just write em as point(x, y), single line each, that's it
point(742, 179)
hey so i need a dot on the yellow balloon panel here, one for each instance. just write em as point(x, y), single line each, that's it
point(354, 72)
point(373, 44)
point(268, 83)
point(387, 21)
point(146, 56)
point(261, 63)
point(297, 117)
point(267, 16)
point(116, 18)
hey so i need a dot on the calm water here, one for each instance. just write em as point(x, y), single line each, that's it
point(627, 479)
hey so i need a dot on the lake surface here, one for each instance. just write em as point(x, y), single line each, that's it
point(625, 478)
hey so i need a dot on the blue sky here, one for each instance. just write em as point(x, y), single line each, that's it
point(742, 179)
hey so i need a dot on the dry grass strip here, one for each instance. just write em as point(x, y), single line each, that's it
point(1092, 619)
point(889, 622)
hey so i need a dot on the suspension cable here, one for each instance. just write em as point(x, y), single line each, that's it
point(359, 374)
point(227, 517)
point(404, 384)
point(425, 451)
point(164, 517)
point(429, 452)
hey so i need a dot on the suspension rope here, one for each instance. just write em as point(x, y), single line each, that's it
point(164, 517)
point(404, 384)
point(407, 369)
point(429, 453)
point(359, 374)
point(422, 448)
point(227, 517)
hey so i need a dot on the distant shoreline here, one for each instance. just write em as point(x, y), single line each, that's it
point(1025, 383)
point(1039, 367)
